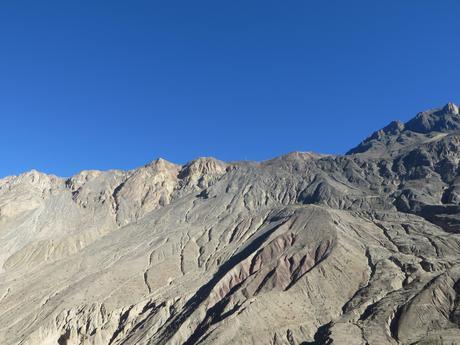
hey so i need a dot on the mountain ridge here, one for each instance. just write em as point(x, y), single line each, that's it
point(299, 249)
point(393, 127)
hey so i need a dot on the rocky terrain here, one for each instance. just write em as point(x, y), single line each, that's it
point(302, 249)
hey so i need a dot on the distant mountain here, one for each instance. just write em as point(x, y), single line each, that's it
point(423, 127)
point(301, 249)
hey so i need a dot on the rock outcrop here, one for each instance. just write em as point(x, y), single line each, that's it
point(301, 249)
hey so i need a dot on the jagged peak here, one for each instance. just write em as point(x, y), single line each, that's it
point(295, 156)
point(394, 126)
point(162, 164)
point(392, 129)
point(436, 120)
point(84, 176)
point(301, 155)
point(451, 108)
point(445, 120)
point(33, 177)
point(202, 166)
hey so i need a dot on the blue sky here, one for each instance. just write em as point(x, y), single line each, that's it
point(115, 84)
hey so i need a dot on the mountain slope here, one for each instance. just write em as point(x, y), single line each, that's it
point(302, 249)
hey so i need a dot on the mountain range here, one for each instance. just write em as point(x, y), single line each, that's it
point(361, 248)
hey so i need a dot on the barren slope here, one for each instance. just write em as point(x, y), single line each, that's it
point(302, 249)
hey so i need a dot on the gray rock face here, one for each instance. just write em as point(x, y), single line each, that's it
point(302, 249)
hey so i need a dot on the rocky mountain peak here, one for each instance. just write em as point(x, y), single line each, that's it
point(451, 108)
point(203, 166)
point(35, 179)
point(423, 127)
point(162, 164)
point(436, 120)
point(81, 178)
point(394, 126)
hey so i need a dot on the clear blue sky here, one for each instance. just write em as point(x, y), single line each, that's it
point(114, 84)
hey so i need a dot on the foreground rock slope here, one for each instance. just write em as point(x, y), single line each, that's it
point(302, 249)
